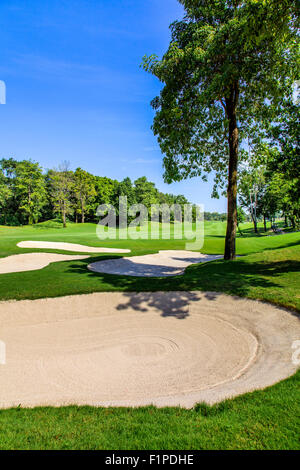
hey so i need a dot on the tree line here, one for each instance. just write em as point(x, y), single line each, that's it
point(29, 195)
point(265, 194)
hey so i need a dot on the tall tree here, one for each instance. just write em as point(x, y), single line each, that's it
point(126, 188)
point(241, 217)
point(227, 61)
point(251, 190)
point(10, 210)
point(283, 156)
point(105, 189)
point(5, 193)
point(29, 187)
point(283, 134)
point(284, 194)
point(145, 192)
point(24, 190)
point(84, 189)
point(62, 185)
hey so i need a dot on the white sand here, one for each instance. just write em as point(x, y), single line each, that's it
point(167, 349)
point(164, 263)
point(69, 247)
point(33, 261)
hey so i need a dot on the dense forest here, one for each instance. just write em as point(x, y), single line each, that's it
point(29, 195)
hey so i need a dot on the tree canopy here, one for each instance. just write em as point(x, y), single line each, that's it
point(28, 194)
point(226, 69)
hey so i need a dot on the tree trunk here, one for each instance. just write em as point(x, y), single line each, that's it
point(64, 216)
point(82, 212)
point(239, 229)
point(292, 218)
point(253, 214)
point(30, 218)
point(233, 141)
point(265, 224)
point(254, 223)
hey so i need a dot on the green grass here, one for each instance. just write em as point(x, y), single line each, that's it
point(261, 420)
point(268, 270)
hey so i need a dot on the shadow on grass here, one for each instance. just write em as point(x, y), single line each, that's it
point(249, 232)
point(286, 245)
point(242, 277)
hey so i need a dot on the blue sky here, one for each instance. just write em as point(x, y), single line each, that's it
point(75, 90)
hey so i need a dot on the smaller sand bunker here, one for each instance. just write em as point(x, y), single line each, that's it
point(161, 264)
point(69, 247)
point(32, 261)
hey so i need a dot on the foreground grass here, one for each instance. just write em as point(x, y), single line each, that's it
point(269, 419)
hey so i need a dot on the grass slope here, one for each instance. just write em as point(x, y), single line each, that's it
point(266, 419)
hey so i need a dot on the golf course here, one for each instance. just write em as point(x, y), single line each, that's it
point(266, 269)
point(149, 229)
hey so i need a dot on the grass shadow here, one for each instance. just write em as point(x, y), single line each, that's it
point(240, 277)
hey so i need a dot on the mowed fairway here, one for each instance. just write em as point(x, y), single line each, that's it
point(268, 269)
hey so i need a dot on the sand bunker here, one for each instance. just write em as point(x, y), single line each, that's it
point(32, 261)
point(163, 263)
point(69, 247)
point(173, 348)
